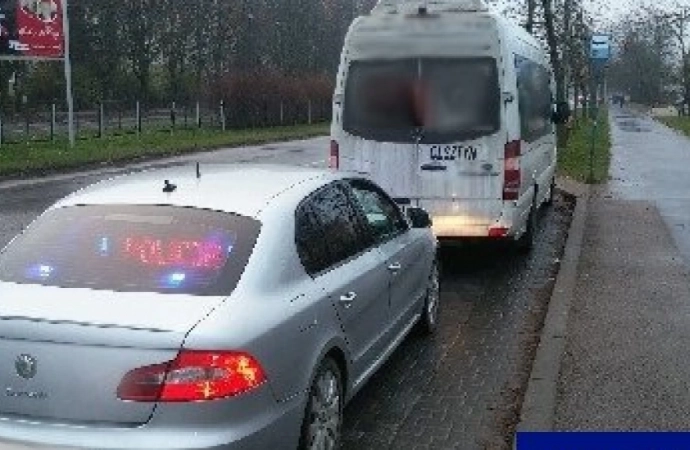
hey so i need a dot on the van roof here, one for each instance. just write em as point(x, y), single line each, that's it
point(395, 29)
point(407, 6)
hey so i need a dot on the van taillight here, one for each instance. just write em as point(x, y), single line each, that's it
point(512, 174)
point(193, 376)
point(334, 160)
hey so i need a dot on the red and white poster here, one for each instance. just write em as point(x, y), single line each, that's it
point(32, 29)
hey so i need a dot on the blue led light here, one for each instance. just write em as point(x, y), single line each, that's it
point(45, 271)
point(40, 271)
point(175, 280)
point(177, 277)
point(104, 246)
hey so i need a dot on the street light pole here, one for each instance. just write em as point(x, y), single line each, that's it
point(596, 65)
point(68, 76)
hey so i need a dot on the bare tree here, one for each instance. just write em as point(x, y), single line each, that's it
point(650, 41)
point(175, 45)
point(141, 28)
point(531, 12)
point(678, 22)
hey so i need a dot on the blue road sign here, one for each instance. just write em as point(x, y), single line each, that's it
point(600, 47)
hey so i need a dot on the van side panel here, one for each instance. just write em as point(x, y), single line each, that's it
point(539, 158)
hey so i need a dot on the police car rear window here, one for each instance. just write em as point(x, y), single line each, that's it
point(133, 249)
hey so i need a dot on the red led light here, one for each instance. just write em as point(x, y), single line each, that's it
point(174, 253)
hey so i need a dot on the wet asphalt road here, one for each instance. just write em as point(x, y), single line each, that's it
point(461, 389)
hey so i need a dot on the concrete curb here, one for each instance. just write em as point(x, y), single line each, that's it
point(539, 406)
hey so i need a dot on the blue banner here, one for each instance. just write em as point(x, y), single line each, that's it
point(603, 441)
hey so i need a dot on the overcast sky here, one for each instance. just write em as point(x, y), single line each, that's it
point(607, 11)
point(615, 9)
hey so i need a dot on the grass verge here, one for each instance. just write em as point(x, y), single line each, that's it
point(681, 124)
point(38, 158)
point(574, 160)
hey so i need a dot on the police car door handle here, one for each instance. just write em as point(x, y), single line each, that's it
point(395, 267)
point(348, 299)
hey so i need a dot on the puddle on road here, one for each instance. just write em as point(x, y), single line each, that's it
point(632, 126)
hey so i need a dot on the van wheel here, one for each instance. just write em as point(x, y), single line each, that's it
point(526, 242)
point(323, 418)
point(552, 193)
point(428, 322)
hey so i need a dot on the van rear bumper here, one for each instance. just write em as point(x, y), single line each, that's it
point(460, 219)
point(456, 227)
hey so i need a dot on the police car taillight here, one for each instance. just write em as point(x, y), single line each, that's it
point(194, 376)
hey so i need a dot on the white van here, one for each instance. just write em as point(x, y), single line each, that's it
point(449, 107)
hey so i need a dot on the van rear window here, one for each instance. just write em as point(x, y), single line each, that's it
point(433, 100)
point(133, 249)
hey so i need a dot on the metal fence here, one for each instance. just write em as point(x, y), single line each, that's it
point(49, 123)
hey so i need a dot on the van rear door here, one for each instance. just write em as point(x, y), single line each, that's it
point(460, 151)
point(427, 129)
point(381, 117)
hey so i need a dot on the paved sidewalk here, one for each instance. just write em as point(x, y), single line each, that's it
point(627, 360)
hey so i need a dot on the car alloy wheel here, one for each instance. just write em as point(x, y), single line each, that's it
point(323, 421)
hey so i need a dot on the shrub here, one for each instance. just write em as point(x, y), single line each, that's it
point(269, 98)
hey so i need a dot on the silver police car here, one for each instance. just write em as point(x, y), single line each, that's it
point(233, 307)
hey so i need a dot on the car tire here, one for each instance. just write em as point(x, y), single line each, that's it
point(323, 417)
point(526, 242)
point(428, 322)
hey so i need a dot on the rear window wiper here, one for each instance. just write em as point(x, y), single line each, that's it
point(418, 134)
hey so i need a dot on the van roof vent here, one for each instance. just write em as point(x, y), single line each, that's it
point(428, 6)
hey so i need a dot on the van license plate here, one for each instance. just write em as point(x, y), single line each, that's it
point(453, 153)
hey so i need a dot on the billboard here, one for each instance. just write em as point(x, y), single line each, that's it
point(31, 29)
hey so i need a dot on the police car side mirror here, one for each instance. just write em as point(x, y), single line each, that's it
point(561, 114)
point(419, 218)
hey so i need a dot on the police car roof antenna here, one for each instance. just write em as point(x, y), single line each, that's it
point(423, 9)
point(169, 187)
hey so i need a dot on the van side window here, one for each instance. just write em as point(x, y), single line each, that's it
point(535, 99)
point(328, 230)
